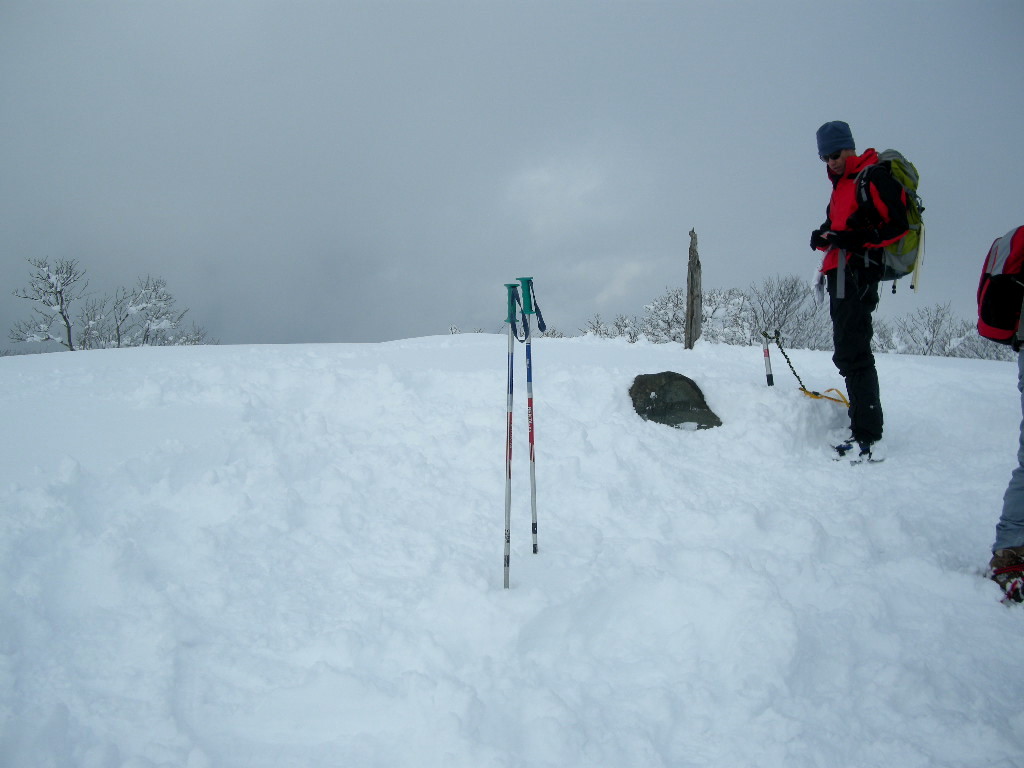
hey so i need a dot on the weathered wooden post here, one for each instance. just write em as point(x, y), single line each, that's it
point(693, 295)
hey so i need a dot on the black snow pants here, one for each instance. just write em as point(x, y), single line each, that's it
point(851, 335)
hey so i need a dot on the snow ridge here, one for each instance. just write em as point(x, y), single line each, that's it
point(292, 556)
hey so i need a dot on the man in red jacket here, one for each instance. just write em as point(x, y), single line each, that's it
point(856, 228)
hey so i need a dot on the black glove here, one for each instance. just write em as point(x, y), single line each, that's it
point(818, 241)
point(849, 240)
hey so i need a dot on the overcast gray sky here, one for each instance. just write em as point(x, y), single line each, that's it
point(364, 171)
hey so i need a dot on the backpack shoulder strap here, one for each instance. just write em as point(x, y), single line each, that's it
point(892, 194)
point(872, 175)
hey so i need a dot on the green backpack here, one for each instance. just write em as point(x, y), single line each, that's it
point(905, 256)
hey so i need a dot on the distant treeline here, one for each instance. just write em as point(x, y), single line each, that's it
point(786, 305)
point(63, 311)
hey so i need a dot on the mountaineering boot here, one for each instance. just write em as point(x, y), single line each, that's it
point(869, 452)
point(1007, 570)
point(845, 449)
point(855, 451)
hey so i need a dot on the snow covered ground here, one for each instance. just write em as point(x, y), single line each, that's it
point(223, 557)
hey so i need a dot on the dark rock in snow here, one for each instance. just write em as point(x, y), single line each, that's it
point(673, 399)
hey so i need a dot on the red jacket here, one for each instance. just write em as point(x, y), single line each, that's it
point(882, 221)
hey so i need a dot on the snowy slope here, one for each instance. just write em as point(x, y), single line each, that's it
point(292, 556)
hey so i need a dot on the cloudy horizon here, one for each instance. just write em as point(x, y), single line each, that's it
point(366, 171)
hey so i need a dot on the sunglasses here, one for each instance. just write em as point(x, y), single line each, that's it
point(829, 158)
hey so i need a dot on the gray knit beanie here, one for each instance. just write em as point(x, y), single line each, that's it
point(833, 137)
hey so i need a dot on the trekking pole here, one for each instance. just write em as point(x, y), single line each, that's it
point(513, 298)
point(767, 360)
point(528, 309)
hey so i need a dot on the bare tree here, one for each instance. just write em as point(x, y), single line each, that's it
point(154, 319)
point(597, 327)
point(884, 338)
point(121, 313)
point(966, 342)
point(784, 304)
point(93, 329)
point(776, 303)
point(629, 327)
point(665, 318)
point(727, 317)
point(927, 331)
point(194, 336)
point(145, 315)
point(53, 293)
point(811, 328)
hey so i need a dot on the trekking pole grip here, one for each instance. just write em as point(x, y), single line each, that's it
point(527, 283)
point(513, 297)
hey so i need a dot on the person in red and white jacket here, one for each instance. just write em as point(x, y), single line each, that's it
point(856, 228)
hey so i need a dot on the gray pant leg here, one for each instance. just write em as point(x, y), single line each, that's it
point(1010, 529)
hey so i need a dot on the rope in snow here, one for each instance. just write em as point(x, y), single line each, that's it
point(837, 397)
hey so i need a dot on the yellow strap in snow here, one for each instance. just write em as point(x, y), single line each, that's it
point(839, 397)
